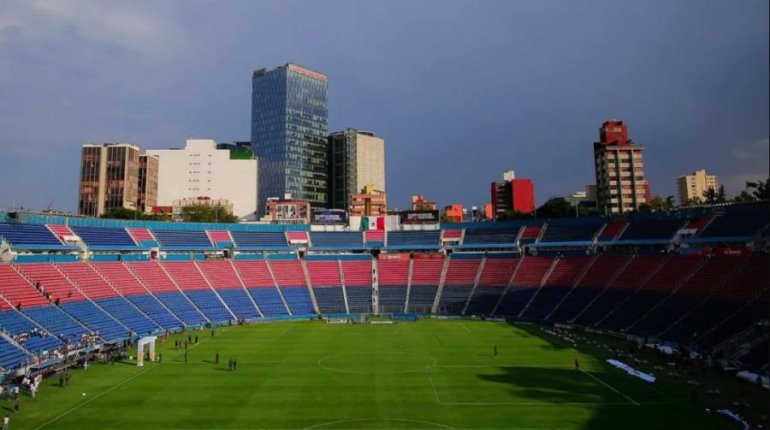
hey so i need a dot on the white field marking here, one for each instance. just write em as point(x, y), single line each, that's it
point(403, 420)
point(409, 354)
point(433, 386)
point(610, 387)
point(465, 327)
point(550, 366)
point(120, 384)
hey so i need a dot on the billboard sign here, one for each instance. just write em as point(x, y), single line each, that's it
point(330, 217)
point(419, 217)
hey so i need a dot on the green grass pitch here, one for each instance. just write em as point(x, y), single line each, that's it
point(429, 375)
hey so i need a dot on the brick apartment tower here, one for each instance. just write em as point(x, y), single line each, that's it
point(620, 182)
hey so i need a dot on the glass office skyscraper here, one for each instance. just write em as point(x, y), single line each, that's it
point(289, 132)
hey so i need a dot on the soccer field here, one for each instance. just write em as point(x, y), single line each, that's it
point(430, 374)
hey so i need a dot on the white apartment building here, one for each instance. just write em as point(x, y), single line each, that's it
point(202, 170)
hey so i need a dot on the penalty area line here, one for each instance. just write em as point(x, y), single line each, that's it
point(610, 387)
point(433, 386)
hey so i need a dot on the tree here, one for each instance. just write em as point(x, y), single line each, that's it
point(744, 197)
point(123, 213)
point(512, 215)
point(658, 203)
point(760, 190)
point(206, 213)
point(710, 195)
point(559, 207)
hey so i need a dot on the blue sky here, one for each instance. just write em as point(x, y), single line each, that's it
point(460, 90)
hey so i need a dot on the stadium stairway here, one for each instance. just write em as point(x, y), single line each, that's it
point(324, 278)
point(190, 280)
point(494, 277)
point(393, 278)
point(424, 278)
point(292, 279)
point(579, 278)
point(459, 281)
point(557, 283)
point(127, 285)
point(74, 302)
point(529, 277)
point(260, 284)
point(157, 281)
point(224, 280)
point(356, 278)
point(96, 288)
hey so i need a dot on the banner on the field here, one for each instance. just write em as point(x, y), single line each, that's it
point(419, 217)
point(330, 217)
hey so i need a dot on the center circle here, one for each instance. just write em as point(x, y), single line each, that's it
point(382, 363)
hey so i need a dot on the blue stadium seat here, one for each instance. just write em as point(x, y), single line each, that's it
point(57, 322)
point(330, 300)
point(260, 239)
point(418, 237)
point(392, 298)
point(27, 234)
point(153, 308)
point(104, 236)
point(181, 307)
point(421, 298)
point(359, 299)
point(11, 357)
point(15, 323)
point(128, 315)
point(210, 305)
point(298, 300)
point(238, 302)
point(183, 239)
point(337, 239)
point(95, 319)
point(269, 301)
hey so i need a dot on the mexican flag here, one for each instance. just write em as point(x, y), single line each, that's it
point(372, 223)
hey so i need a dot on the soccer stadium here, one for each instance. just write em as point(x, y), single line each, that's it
point(650, 320)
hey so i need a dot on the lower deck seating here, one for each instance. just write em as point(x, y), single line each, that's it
point(484, 300)
point(16, 323)
point(208, 303)
point(453, 299)
point(269, 301)
point(544, 302)
point(330, 300)
point(421, 298)
point(155, 310)
point(128, 315)
point(573, 304)
point(57, 322)
point(359, 299)
point(11, 356)
point(238, 302)
point(181, 307)
point(298, 300)
point(392, 298)
point(96, 319)
point(514, 301)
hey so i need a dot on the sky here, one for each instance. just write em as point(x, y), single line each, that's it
point(461, 91)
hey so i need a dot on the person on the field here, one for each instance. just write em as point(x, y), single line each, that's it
point(577, 364)
point(235, 364)
point(185, 356)
point(216, 358)
point(196, 339)
point(16, 404)
point(212, 332)
point(6, 422)
point(230, 364)
point(495, 350)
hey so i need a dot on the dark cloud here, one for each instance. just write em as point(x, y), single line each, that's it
point(461, 90)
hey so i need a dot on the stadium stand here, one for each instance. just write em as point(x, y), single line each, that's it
point(358, 284)
point(458, 283)
point(29, 235)
point(223, 278)
point(154, 277)
point(708, 296)
point(267, 240)
point(327, 286)
point(562, 276)
point(182, 239)
point(393, 276)
point(526, 282)
point(104, 237)
point(421, 239)
point(336, 240)
point(495, 276)
point(192, 283)
point(259, 283)
point(426, 274)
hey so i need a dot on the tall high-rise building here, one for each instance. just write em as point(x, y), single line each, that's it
point(512, 194)
point(201, 171)
point(289, 133)
point(109, 178)
point(148, 182)
point(356, 159)
point(620, 182)
point(691, 187)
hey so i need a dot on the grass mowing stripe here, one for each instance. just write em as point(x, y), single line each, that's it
point(610, 387)
point(118, 385)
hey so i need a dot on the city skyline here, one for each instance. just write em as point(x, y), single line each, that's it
point(456, 108)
